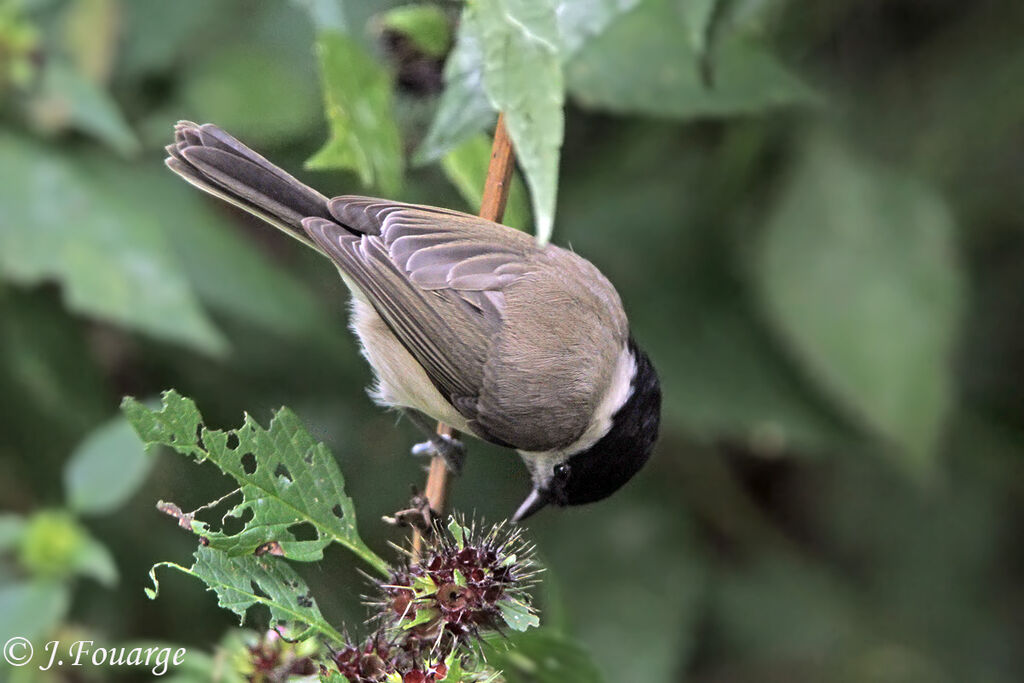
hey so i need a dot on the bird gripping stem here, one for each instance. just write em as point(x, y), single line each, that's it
point(492, 208)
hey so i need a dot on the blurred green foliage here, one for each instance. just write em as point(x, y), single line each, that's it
point(812, 212)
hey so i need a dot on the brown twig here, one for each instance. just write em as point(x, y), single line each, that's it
point(492, 207)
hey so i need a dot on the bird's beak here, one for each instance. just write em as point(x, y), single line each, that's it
point(533, 503)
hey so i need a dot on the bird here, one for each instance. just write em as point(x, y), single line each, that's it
point(467, 322)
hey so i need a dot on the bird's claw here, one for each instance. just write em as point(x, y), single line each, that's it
point(451, 450)
point(419, 514)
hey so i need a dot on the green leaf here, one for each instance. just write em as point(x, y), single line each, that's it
point(227, 270)
point(697, 16)
point(640, 66)
point(11, 528)
point(82, 104)
point(31, 609)
point(241, 582)
point(517, 614)
point(423, 615)
point(106, 468)
point(425, 25)
point(327, 15)
point(466, 166)
point(252, 91)
point(464, 110)
point(58, 223)
point(542, 656)
point(292, 480)
point(358, 102)
point(643, 541)
point(523, 79)
point(581, 20)
point(94, 560)
point(857, 270)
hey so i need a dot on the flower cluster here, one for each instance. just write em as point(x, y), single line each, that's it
point(433, 612)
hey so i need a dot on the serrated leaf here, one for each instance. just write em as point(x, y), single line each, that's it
point(425, 25)
point(523, 79)
point(242, 582)
point(542, 656)
point(466, 167)
point(56, 223)
point(858, 273)
point(640, 66)
point(106, 468)
point(517, 615)
point(294, 480)
point(358, 101)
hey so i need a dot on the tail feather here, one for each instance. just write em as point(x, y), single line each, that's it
point(217, 163)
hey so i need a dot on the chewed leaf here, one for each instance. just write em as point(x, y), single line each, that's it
point(242, 582)
point(287, 480)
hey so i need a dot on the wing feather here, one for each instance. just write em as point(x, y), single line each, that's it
point(434, 276)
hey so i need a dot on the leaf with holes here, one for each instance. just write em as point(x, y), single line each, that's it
point(242, 582)
point(287, 480)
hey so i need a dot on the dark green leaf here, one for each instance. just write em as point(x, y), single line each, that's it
point(581, 20)
point(31, 609)
point(241, 582)
point(542, 656)
point(640, 66)
point(291, 481)
point(227, 270)
point(358, 101)
point(94, 560)
point(111, 259)
point(464, 110)
point(858, 273)
point(425, 25)
point(633, 579)
point(67, 93)
point(256, 94)
point(106, 468)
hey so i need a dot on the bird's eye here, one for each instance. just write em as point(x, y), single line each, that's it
point(561, 471)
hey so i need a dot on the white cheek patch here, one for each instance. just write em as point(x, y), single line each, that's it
point(619, 390)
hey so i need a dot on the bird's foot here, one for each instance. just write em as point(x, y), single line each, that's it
point(452, 450)
point(419, 514)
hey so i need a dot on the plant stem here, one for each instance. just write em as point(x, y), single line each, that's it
point(492, 208)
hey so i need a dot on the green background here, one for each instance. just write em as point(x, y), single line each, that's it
point(813, 213)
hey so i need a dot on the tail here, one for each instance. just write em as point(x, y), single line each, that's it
point(217, 163)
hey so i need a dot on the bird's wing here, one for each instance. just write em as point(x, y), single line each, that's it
point(436, 277)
